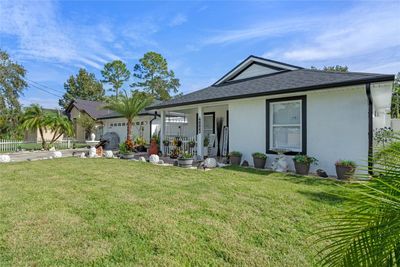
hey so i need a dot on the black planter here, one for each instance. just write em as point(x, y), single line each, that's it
point(185, 163)
point(302, 168)
point(344, 172)
point(235, 160)
point(259, 163)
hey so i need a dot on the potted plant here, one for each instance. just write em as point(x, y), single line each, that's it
point(165, 142)
point(185, 160)
point(140, 143)
point(191, 143)
point(345, 169)
point(235, 157)
point(125, 150)
point(175, 153)
point(259, 160)
point(177, 142)
point(302, 163)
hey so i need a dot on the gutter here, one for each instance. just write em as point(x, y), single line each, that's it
point(151, 122)
point(370, 128)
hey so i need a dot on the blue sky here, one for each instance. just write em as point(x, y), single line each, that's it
point(201, 40)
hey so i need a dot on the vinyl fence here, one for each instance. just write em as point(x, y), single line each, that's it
point(8, 145)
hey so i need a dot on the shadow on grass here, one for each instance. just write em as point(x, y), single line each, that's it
point(332, 198)
point(290, 177)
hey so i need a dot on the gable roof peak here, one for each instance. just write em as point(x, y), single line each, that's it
point(254, 66)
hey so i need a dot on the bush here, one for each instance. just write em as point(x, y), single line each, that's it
point(259, 155)
point(305, 159)
point(346, 163)
point(186, 155)
point(235, 154)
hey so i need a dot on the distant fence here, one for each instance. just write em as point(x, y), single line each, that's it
point(8, 145)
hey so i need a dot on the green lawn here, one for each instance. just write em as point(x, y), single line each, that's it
point(113, 212)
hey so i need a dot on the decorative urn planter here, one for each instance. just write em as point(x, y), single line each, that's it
point(302, 168)
point(185, 163)
point(344, 172)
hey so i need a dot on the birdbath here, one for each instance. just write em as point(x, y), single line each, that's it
point(92, 143)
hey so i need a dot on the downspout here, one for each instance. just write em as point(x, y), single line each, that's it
point(370, 128)
point(151, 122)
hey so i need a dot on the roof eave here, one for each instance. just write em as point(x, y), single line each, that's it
point(383, 78)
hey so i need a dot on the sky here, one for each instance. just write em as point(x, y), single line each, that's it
point(201, 40)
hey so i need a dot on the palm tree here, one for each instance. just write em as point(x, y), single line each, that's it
point(59, 125)
point(367, 232)
point(129, 107)
point(34, 118)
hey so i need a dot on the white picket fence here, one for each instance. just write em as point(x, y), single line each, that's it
point(8, 145)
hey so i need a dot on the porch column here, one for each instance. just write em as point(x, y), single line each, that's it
point(162, 131)
point(200, 138)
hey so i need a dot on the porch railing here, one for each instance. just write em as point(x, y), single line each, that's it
point(184, 146)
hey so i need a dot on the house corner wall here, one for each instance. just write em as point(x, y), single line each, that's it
point(337, 127)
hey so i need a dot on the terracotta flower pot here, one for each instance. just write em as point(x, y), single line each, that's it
point(302, 168)
point(259, 163)
point(344, 172)
point(235, 160)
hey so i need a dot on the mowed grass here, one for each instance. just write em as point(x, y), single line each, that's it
point(79, 212)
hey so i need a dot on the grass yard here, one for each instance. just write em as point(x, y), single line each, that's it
point(112, 212)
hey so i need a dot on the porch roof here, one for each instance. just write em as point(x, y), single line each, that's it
point(286, 81)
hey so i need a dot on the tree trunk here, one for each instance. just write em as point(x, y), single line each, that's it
point(42, 137)
point(129, 130)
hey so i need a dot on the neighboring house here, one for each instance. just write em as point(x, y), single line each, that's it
point(269, 105)
point(145, 125)
point(33, 136)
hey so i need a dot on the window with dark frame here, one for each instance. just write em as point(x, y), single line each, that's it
point(286, 123)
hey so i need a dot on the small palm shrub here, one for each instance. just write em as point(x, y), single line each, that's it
point(367, 231)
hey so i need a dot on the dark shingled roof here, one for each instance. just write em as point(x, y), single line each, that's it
point(94, 109)
point(275, 83)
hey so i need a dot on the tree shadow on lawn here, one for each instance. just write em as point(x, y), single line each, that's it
point(331, 198)
point(289, 177)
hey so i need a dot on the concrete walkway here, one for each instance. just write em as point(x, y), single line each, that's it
point(38, 155)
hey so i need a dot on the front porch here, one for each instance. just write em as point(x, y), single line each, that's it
point(202, 131)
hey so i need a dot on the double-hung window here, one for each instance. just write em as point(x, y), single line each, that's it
point(286, 125)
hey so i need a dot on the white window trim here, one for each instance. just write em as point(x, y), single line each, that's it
point(272, 125)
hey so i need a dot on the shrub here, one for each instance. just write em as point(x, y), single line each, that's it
point(235, 154)
point(346, 163)
point(259, 155)
point(186, 155)
point(305, 159)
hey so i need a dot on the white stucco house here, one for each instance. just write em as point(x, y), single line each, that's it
point(144, 125)
point(267, 105)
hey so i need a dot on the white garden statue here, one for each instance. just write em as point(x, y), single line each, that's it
point(280, 163)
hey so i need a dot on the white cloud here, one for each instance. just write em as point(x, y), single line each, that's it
point(179, 19)
point(41, 35)
point(360, 31)
point(260, 31)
